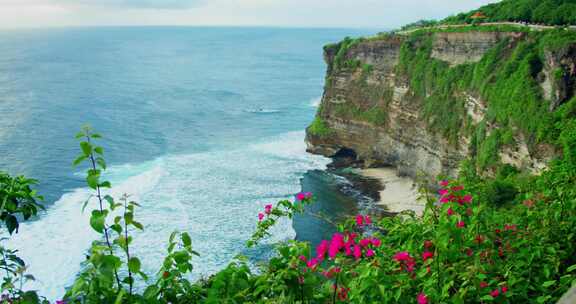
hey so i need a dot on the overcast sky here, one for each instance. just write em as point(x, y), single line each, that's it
point(291, 13)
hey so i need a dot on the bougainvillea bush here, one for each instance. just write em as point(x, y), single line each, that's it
point(463, 249)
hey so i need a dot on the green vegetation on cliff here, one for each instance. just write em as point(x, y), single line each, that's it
point(552, 12)
point(506, 78)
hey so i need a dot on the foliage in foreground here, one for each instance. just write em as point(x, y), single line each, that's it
point(462, 250)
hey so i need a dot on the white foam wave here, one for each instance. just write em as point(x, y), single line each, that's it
point(315, 102)
point(214, 196)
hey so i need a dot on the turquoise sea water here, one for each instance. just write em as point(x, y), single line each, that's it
point(203, 127)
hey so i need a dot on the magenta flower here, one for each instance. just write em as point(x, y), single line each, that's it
point(444, 183)
point(443, 192)
point(495, 293)
point(376, 242)
point(422, 299)
point(260, 216)
point(483, 284)
point(347, 248)
point(460, 224)
point(365, 242)
point(357, 252)
point(444, 199)
point(312, 263)
point(402, 256)
point(359, 220)
point(300, 196)
point(321, 249)
point(428, 244)
point(427, 255)
point(307, 194)
point(467, 198)
point(504, 289)
point(457, 188)
point(60, 302)
point(267, 209)
point(450, 212)
point(369, 252)
point(368, 220)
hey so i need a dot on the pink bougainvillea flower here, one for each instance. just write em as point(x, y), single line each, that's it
point(443, 192)
point(422, 299)
point(450, 212)
point(444, 199)
point(457, 188)
point(260, 216)
point(427, 255)
point(357, 252)
point(368, 220)
point(376, 242)
point(444, 183)
point(302, 258)
point(369, 252)
point(312, 263)
point(359, 220)
point(495, 293)
point(467, 198)
point(267, 209)
point(300, 196)
point(410, 265)
point(504, 289)
point(347, 249)
point(460, 224)
point(333, 250)
point(428, 244)
point(307, 194)
point(322, 249)
point(365, 242)
point(483, 284)
point(402, 256)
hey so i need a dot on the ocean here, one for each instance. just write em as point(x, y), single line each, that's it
point(202, 126)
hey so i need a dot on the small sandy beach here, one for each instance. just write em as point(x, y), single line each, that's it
point(399, 194)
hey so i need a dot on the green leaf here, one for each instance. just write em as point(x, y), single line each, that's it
point(98, 150)
point(97, 221)
point(96, 135)
point(79, 135)
point(86, 148)
point(571, 268)
point(137, 225)
point(186, 239)
point(548, 283)
point(11, 223)
point(101, 162)
point(134, 265)
point(92, 181)
point(79, 160)
point(105, 184)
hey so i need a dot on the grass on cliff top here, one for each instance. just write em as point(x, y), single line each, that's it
point(319, 128)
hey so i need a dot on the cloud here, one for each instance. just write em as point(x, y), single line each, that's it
point(143, 4)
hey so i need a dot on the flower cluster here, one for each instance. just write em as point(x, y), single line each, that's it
point(346, 244)
point(303, 195)
point(267, 212)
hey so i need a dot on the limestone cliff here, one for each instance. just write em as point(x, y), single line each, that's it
point(424, 102)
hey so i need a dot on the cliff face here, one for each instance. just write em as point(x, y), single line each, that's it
point(384, 102)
